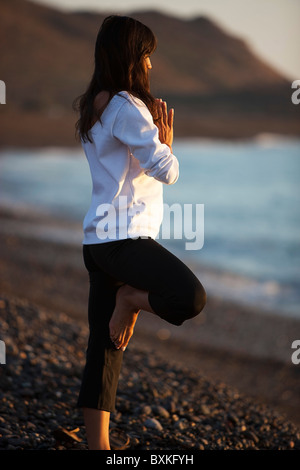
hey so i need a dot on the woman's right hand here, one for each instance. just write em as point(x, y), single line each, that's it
point(164, 123)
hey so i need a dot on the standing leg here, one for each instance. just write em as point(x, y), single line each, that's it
point(97, 428)
point(103, 361)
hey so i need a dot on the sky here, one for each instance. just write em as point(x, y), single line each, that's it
point(270, 27)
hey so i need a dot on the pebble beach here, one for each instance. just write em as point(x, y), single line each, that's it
point(159, 406)
point(173, 395)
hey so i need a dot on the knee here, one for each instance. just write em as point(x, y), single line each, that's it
point(184, 303)
point(194, 303)
point(198, 302)
point(191, 303)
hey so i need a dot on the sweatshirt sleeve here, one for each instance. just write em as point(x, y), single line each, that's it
point(134, 127)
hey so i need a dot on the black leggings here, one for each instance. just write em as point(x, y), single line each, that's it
point(175, 295)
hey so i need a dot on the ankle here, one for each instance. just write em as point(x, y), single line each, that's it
point(128, 298)
point(100, 447)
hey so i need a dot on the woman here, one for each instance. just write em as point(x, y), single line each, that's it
point(127, 137)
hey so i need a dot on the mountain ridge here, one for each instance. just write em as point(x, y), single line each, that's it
point(205, 73)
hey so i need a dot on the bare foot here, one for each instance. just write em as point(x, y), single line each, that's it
point(124, 317)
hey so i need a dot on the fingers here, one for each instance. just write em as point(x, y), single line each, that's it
point(164, 123)
point(171, 118)
point(164, 113)
point(166, 117)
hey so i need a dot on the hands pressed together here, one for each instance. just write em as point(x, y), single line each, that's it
point(164, 122)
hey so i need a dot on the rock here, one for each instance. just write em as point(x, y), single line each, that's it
point(205, 410)
point(146, 410)
point(170, 405)
point(160, 411)
point(63, 435)
point(233, 418)
point(181, 424)
point(251, 435)
point(153, 424)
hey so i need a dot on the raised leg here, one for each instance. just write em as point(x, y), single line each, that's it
point(129, 302)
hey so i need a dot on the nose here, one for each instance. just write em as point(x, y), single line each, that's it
point(148, 63)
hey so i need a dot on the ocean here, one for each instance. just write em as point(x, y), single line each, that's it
point(249, 191)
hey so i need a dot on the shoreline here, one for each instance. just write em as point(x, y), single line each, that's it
point(39, 129)
point(242, 346)
point(265, 138)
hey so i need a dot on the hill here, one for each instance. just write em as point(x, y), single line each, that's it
point(217, 86)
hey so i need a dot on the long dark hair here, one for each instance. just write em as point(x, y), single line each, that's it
point(121, 47)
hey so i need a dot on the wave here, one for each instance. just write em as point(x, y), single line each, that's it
point(269, 295)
